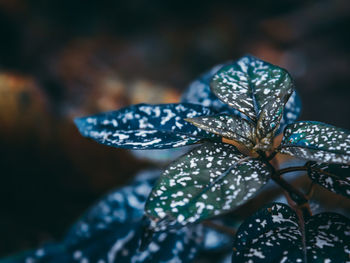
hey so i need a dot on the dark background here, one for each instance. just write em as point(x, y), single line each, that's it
point(61, 58)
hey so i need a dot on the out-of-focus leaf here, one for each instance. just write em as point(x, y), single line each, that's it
point(120, 246)
point(122, 206)
point(291, 111)
point(116, 219)
point(208, 181)
point(146, 126)
point(111, 232)
point(334, 177)
point(228, 126)
point(317, 141)
point(273, 234)
point(199, 92)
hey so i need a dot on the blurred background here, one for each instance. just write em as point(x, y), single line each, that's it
point(61, 58)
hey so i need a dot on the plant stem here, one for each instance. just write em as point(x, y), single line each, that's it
point(271, 156)
point(220, 228)
point(297, 196)
point(291, 169)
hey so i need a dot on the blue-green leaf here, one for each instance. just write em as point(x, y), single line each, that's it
point(208, 181)
point(249, 84)
point(274, 234)
point(334, 177)
point(259, 90)
point(146, 126)
point(199, 92)
point(327, 238)
point(317, 141)
point(228, 126)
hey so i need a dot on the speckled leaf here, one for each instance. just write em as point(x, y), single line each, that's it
point(228, 126)
point(111, 232)
point(334, 177)
point(146, 126)
point(199, 92)
point(273, 234)
point(250, 84)
point(328, 238)
point(317, 141)
point(267, 126)
point(270, 235)
point(208, 181)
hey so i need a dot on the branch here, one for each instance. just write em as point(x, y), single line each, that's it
point(297, 196)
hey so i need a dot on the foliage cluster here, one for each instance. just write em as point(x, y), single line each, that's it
point(233, 113)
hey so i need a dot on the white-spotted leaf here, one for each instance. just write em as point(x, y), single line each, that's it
point(249, 84)
point(273, 234)
point(228, 126)
point(146, 126)
point(208, 181)
point(259, 90)
point(334, 177)
point(317, 141)
point(199, 92)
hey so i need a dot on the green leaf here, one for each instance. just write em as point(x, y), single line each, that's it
point(259, 90)
point(241, 130)
point(199, 92)
point(267, 126)
point(228, 126)
point(250, 84)
point(317, 141)
point(327, 238)
point(334, 177)
point(208, 181)
point(274, 234)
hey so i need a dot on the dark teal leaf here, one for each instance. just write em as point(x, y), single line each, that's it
point(267, 126)
point(270, 235)
point(317, 141)
point(208, 181)
point(249, 84)
point(259, 90)
point(199, 92)
point(228, 126)
point(273, 234)
point(145, 126)
point(334, 177)
point(328, 238)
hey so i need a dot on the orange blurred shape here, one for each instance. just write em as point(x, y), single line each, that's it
point(23, 108)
